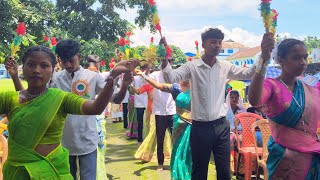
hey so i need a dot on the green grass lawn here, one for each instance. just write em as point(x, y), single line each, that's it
point(120, 161)
point(7, 85)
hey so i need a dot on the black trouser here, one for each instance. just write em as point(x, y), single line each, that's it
point(125, 115)
point(207, 137)
point(162, 123)
point(140, 114)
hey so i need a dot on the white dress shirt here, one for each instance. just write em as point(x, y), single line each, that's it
point(140, 100)
point(207, 85)
point(80, 134)
point(163, 103)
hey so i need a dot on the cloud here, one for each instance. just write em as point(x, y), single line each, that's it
point(209, 6)
point(185, 39)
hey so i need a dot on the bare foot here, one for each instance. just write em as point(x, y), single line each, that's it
point(160, 168)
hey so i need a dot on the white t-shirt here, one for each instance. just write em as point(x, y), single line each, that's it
point(141, 100)
point(163, 103)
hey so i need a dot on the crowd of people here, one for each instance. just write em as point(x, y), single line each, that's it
point(182, 114)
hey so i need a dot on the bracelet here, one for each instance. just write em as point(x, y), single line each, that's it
point(262, 67)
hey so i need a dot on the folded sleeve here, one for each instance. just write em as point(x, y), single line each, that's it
point(73, 104)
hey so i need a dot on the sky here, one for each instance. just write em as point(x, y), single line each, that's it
point(183, 21)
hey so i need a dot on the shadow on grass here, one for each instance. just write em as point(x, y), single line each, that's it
point(138, 172)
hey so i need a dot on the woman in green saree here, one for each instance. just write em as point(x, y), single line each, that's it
point(37, 115)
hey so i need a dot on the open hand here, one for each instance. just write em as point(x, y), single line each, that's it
point(12, 67)
point(163, 41)
point(267, 45)
point(125, 67)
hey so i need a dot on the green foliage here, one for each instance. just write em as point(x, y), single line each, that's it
point(177, 55)
point(100, 48)
point(312, 42)
point(76, 19)
point(137, 52)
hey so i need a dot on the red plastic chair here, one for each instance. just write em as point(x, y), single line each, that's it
point(246, 148)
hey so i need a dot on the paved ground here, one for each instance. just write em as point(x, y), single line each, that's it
point(121, 164)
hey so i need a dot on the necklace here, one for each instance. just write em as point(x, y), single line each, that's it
point(32, 96)
point(300, 105)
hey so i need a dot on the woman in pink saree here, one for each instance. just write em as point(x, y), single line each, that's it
point(293, 110)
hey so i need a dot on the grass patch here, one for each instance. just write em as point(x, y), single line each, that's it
point(7, 85)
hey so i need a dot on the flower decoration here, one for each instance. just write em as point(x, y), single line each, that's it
point(81, 88)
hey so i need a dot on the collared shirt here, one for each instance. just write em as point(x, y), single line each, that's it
point(140, 100)
point(80, 134)
point(207, 85)
point(163, 103)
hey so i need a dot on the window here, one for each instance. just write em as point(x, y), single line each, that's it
point(230, 51)
point(1, 73)
point(222, 51)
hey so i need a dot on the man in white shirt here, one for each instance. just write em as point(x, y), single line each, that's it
point(210, 130)
point(163, 107)
point(80, 135)
point(140, 102)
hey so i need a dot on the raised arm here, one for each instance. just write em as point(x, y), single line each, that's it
point(94, 107)
point(12, 68)
point(127, 80)
point(177, 75)
point(256, 87)
point(134, 90)
point(155, 84)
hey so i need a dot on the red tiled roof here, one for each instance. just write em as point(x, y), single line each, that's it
point(249, 52)
point(231, 44)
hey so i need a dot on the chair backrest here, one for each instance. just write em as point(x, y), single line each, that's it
point(246, 120)
point(263, 125)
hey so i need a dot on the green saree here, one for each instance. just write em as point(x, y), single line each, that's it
point(39, 121)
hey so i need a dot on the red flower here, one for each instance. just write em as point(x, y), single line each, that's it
point(275, 17)
point(266, 1)
point(128, 34)
point(190, 58)
point(152, 2)
point(46, 38)
point(197, 43)
point(112, 60)
point(53, 41)
point(158, 27)
point(127, 42)
point(103, 63)
point(111, 65)
point(122, 42)
point(21, 29)
point(168, 52)
point(152, 39)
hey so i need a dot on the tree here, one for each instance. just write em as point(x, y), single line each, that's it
point(178, 55)
point(312, 42)
point(100, 48)
point(84, 22)
point(76, 19)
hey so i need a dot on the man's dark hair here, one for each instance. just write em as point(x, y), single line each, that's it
point(212, 33)
point(93, 58)
point(68, 48)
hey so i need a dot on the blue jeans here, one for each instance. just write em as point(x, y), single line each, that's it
point(87, 165)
